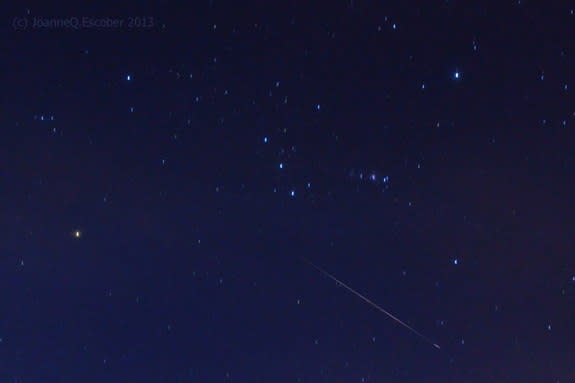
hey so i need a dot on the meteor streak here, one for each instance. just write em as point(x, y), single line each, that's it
point(373, 304)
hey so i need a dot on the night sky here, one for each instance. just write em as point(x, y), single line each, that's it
point(167, 169)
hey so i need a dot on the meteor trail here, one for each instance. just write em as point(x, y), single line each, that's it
point(372, 304)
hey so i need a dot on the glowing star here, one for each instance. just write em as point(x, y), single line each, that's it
point(457, 75)
point(77, 234)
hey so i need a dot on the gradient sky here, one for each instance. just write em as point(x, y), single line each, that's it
point(163, 174)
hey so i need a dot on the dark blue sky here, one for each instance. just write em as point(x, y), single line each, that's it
point(162, 179)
